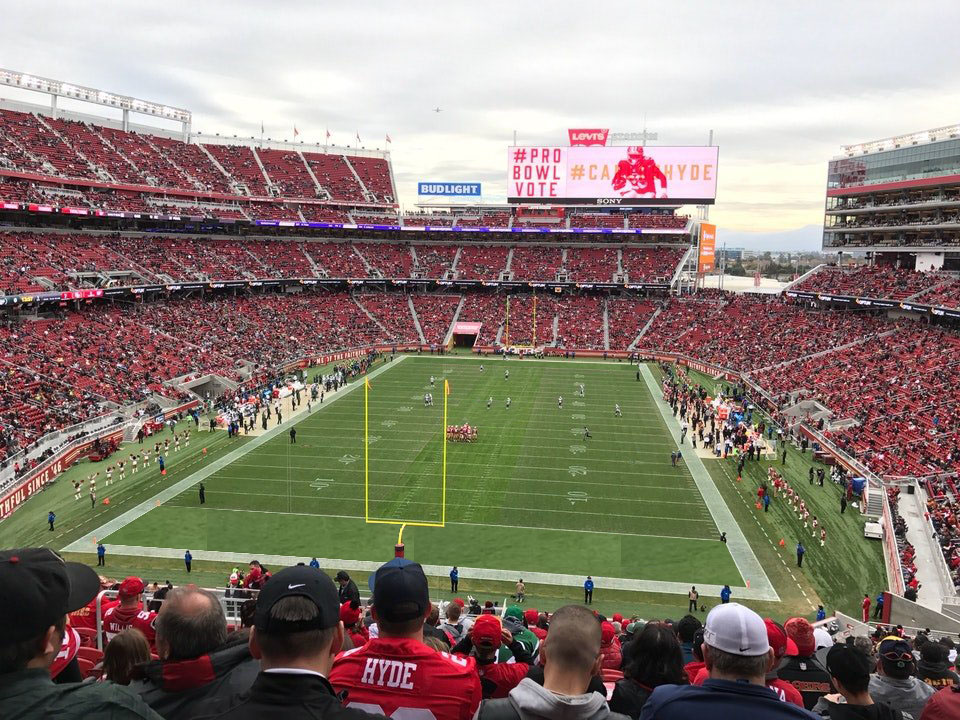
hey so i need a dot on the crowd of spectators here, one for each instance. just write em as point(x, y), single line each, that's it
point(873, 281)
point(307, 647)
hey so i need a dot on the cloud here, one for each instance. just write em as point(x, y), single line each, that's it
point(782, 85)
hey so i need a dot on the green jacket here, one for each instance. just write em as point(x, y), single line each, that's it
point(31, 694)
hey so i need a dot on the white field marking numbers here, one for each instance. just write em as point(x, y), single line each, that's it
point(321, 484)
point(576, 431)
point(578, 416)
point(347, 459)
point(405, 409)
point(579, 376)
point(575, 470)
point(372, 440)
point(575, 496)
point(579, 403)
point(577, 449)
point(388, 423)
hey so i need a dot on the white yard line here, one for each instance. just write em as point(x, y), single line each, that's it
point(743, 556)
point(540, 578)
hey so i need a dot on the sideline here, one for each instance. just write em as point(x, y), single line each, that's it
point(88, 541)
point(743, 556)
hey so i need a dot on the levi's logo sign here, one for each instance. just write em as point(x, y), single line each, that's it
point(588, 136)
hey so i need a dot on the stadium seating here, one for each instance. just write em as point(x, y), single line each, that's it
point(627, 317)
point(391, 260)
point(535, 263)
point(485, 309)
point(481, 262)
point(240, 163)
point(657, 264)
point(335, 176)
point(596, 220)
point(579, 322)
point(435, 313)
point(434, 261)
point(288, 172)
point(591, 264)
point(871, 281)
point(657, 221)
point(392, 312)
point(375, 175)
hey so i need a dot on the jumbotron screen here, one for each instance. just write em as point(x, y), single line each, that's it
point(613, 175)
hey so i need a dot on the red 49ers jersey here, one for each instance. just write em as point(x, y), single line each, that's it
point(117, 619)
point(406, 680)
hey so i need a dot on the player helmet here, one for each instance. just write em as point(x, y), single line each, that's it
point(635, 151)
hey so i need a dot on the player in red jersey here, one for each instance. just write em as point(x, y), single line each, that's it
point(395, 674)
point(637, 176)
point(130, 613)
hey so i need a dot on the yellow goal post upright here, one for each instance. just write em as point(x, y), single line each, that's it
point(366, 470)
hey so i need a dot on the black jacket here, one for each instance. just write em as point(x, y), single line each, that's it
point(937, 674)
point(349, 592)
point(296, 697)
point(843, 711)
point(629, 697)
point(808, 676)
point(183, 689)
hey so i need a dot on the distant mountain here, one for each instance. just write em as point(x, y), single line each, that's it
point(807, 238)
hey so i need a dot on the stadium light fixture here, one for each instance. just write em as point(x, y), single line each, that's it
point(14, 78)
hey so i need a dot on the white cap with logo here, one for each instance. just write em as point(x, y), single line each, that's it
point(736, 629)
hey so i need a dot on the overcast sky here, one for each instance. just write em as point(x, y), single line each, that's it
point(781, 84)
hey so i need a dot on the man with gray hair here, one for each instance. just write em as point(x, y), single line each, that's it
point(199, 666)
point(738, 656)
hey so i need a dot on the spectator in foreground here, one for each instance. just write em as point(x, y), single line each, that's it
point(425, 680)
point(296, 635)
point(653, 658)
point(850, 674)
point(894, 682)
point(199, 668)
point(37, 590)
point(571, 659)
point(944, 705)
point(802, 669)
point(127, 650)
point(483, 644)
point(686, 630)
point(738, 656)
point(934, 667)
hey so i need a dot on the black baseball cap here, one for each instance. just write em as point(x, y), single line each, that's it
point(848, 664)
point(298, 581)
point(37, 588)
point(400, 591)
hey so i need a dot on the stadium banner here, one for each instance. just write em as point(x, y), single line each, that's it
point(459, 189)
point(708, 246)
point(618, 175)
point(587, 137)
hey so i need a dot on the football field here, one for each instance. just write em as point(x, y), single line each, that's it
point(534, 496)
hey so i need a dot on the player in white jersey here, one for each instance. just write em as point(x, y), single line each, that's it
point(616, 410)
point(432, 380)
point(489, 402)
point(560, 402)
point(508, 403)
point(580, 389)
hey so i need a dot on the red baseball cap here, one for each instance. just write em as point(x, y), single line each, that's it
point(781, 643)
point(487, 631)
point(617, 617)
point(459, 601)
point(531, 616)
point(131, 586)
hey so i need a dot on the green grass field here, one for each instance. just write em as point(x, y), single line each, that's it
point(531, 496)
